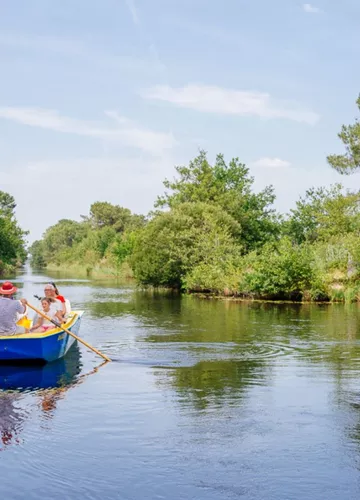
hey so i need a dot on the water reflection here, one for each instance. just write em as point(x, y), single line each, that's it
point(11, 418)
point(222, 349)
point(45, 385)
point(210, 384)
point(60, 373)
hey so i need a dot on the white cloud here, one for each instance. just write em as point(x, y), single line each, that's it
point(311, 9)
point(271, 163)
point(224, 101)
point(125, 132)
point(133, 11)
point(132, 182)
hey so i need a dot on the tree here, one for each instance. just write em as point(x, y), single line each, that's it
point(37, 254)
point(350, 136)
point(63, 234)
point(104, 214)
point(324, 213)
point(173, 243)
point(7, 205)
point(228, 186)
point(12, 237)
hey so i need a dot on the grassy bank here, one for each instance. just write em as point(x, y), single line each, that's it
point(97, 271)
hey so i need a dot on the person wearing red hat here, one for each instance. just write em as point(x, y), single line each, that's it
point(9, 309)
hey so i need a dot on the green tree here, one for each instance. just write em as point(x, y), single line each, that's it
point(37, 253)
point(173, 243)
point(324, 213)
point(102, 239)
point(228, 186)
point(64, 234)
point(121, 247)
point(104, 214)
point(12, 237)
point(7, 205)
point(348, 162)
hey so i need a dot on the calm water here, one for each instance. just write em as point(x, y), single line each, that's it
point(204, 400)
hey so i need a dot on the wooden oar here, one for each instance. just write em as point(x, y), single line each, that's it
point(69, 332)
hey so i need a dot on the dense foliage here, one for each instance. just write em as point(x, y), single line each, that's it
point(350, 136)
point(12, 237)
point(211, 232)
point(229, 187)
point(104, 238)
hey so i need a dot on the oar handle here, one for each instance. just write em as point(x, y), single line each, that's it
point(69, 332)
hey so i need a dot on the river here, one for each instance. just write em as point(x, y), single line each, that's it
point(204, 399)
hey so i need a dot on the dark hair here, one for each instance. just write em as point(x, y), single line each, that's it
point(56, 289)
point(46, 299)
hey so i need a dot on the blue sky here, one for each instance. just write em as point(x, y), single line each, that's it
point(100, 99)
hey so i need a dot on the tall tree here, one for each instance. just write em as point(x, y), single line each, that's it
point(7, 205)
point(349, 162)
point(323, 213)
point(104, 214)
point(63, 234)
point(228, 186)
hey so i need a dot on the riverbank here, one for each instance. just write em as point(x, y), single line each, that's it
point(9, 269)
point(98, 271)
point(335, 291)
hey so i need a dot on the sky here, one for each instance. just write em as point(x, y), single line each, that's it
point(100, 99)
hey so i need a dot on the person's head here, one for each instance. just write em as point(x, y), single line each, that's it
point(49, 290)
point(55, 287)
point(7, 289)
point(45, 302)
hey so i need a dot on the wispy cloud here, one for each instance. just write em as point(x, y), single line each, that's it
point(271, 163)
point(146, 35)
point(133, 11)
point(125, 132)
point(311, 9)
point(135, 183)
point(224, 101)
point(78, 49)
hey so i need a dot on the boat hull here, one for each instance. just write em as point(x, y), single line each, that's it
point(40, 347)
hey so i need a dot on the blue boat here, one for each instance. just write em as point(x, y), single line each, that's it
point(40, 347)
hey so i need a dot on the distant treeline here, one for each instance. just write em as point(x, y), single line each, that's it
point(210, 232)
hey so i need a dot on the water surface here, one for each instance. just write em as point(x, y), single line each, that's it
point(205, 399)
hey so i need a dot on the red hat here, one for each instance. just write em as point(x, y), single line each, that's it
point(7, 288)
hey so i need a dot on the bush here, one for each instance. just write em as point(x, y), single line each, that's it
point(280, 270)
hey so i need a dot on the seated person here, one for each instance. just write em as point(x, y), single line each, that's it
point(50, 292)
point(50, 309)
point(9, 309)
point(62, 300)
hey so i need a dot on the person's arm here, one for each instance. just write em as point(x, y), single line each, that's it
point(22, 306)
point(59, 316)
point(38, 324)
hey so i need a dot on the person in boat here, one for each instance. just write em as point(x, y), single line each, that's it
point(50, 309)
point(50, 293)
point(9, 309)
point(62, 299)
